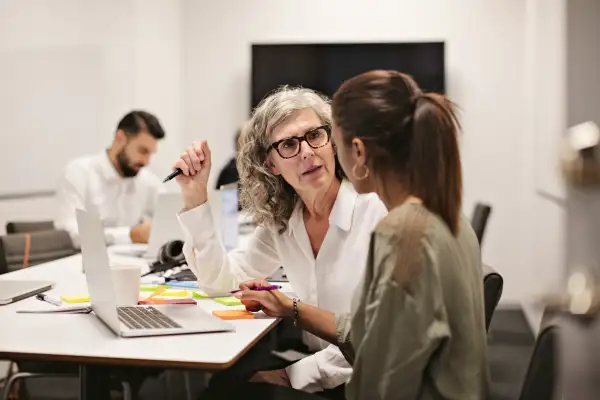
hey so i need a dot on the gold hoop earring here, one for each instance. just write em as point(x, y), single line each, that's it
point(360, 178)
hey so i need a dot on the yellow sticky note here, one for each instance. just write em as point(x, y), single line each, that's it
point(229, 301)
point(178, 293)
point(76, 299)
point(199, 295)
point(149, 288)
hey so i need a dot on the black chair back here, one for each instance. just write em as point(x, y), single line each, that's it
point(479, 220)
point(492, 292)
point(28, 226)
point(540, 379)
point(34, 248)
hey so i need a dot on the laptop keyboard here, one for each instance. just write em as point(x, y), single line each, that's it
point(145, 318)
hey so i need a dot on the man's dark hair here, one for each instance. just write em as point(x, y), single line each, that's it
point(137, 121)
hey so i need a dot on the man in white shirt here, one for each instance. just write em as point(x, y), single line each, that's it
point(114, 183)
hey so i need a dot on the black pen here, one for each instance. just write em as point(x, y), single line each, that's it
point(48, 299)
point(173, 174)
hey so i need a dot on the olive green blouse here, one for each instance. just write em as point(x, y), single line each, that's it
point(417, 327)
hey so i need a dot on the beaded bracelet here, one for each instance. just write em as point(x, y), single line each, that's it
point(295, 300)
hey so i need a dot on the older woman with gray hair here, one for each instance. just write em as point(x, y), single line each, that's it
point(309, 220)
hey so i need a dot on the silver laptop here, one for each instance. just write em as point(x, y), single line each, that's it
point(14, 290)
point(133, 321)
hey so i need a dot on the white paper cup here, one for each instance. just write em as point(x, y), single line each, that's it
point(126, 281)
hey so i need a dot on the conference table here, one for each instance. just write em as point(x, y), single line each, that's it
point(84, 339)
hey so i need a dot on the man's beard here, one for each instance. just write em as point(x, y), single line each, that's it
point(127, 170)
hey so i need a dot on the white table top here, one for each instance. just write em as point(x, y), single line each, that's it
point(84, 338)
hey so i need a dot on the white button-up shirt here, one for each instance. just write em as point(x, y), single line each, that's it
point(92, 183)
point(326, 282)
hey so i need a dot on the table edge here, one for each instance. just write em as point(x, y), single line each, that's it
point(16, 356)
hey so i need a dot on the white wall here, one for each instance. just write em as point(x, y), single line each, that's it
point(486, 73)
point(157, 43)
point(543, 217)
point(141, 43)
point(29, 209)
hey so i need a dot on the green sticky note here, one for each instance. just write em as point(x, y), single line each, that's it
point(229, 301)
point(199, 295)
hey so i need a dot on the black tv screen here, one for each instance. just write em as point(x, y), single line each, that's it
point(324, 67)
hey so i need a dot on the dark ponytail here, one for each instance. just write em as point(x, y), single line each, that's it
point(434, 168)
point(411, 134)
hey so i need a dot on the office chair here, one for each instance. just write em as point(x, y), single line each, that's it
point(479, 220)
point(540, 378)
point(20, 250)
point(21, 376)
point(13, 227)
point(492, 292)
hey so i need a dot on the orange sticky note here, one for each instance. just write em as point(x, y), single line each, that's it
point(233, 314)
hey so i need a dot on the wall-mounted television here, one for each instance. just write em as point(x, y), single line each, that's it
point(324, 67)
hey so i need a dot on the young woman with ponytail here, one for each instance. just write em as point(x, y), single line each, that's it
point(417, 328)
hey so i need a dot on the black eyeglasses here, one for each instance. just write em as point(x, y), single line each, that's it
point(290, 147)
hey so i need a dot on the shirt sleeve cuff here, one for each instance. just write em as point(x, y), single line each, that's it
point(305, 375)
point(197, 222)
point(120, 235)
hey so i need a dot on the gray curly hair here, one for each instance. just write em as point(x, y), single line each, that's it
point(268, 198)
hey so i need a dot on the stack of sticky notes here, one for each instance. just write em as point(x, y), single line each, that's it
point(183, 284)
point(228, 301)
point(233, 314)
point(175, 293)
point(170, 293)
point(83, 298)
point(149, 288)
point(157, 300)
point(165, 290)
point(165, 295)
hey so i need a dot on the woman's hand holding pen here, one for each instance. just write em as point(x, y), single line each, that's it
point(195, 165)
point(272, 302)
